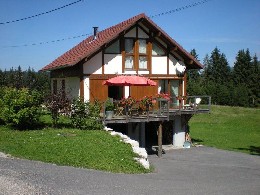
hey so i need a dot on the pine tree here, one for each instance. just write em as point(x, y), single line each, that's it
point(18, 81)
point(220, 68)
point(194, 86)
point(245, 73)
point(254, 83)
point(242, 67)
point(207, 70)
point(1, 78)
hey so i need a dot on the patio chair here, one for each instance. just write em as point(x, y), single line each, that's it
point(196, 104)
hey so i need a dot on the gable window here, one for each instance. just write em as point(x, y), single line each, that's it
point(142, 53)
point(129, 62)
point(129, 53)
point(142, 46)
point(135, 54)
point(114, 48)
point(142, 62)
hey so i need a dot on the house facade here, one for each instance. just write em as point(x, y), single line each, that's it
point(136, 46)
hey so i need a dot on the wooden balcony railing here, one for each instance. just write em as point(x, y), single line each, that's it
point(161, 109)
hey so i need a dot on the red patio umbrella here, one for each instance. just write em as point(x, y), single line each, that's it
point(129, 80)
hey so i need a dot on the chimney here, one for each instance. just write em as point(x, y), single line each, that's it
point(95, 32)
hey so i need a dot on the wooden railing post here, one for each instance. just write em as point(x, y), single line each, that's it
point(160, 140)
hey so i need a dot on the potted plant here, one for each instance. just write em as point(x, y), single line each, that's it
point(145, 103)
point(109, 108)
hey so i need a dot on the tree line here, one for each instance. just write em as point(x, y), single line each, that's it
point(234, 86)
point(17, 78)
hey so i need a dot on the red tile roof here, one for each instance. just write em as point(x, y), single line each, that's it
point(90, 45)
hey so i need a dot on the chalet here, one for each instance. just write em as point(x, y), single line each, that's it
point(136, 46)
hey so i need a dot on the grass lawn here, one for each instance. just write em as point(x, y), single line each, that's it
point(88, 149)
point(229, 128)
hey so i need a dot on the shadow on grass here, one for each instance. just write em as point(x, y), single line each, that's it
point(198, 141)
point(40, 126)
point(253, 150)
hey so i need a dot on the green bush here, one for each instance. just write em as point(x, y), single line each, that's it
point(85, 115)
point(1, 106)
point(20, 107)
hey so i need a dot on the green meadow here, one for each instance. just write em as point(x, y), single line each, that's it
point(229, 128)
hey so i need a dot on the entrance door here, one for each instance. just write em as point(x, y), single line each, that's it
point(115, 92)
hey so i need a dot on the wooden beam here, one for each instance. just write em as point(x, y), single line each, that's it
point(190, 62)
point(81, 90)
point(160, 140)
point(158, 34)
point(175, 48)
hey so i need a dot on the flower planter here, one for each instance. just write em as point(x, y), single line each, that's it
point(109, 114)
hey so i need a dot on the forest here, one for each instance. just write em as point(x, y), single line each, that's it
point(234, 86)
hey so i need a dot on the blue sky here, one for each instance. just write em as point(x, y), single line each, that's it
point(230, 25)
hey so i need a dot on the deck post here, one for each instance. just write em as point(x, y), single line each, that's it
point(160, 140)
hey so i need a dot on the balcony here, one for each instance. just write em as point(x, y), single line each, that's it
point(160, 109)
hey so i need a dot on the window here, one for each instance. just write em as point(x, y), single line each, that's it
point(142, 46)
point(129, 53)
point(135, 59)
point(114, 48)
point(142, 62)
point(129, 45)
point(142, 53)
point(129, 62)
point(172, 87)
point(54, 87)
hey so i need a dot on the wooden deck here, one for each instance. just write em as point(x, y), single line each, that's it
point(160, 114)
point(153, 117)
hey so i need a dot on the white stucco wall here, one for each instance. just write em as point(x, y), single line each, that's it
point(72, 85)
point(143, 72)
point(159, 65)
point(178, 133)
point(113, 63)
point(127, 92)
point(172, 65)
point(86, 89)
point(94, 65)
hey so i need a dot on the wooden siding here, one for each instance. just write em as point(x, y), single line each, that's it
point(140, 92)
point(74, 71)
point(97, 90)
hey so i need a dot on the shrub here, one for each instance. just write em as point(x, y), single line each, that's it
point(1, 106)
point(85, 115)
point(78, 113)
point(20, 107)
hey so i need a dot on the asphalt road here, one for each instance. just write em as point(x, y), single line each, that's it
point(199, 170)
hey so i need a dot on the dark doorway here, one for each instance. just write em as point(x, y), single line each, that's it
point(115, 92)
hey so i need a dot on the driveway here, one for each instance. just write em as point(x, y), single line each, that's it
point(201, 170)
